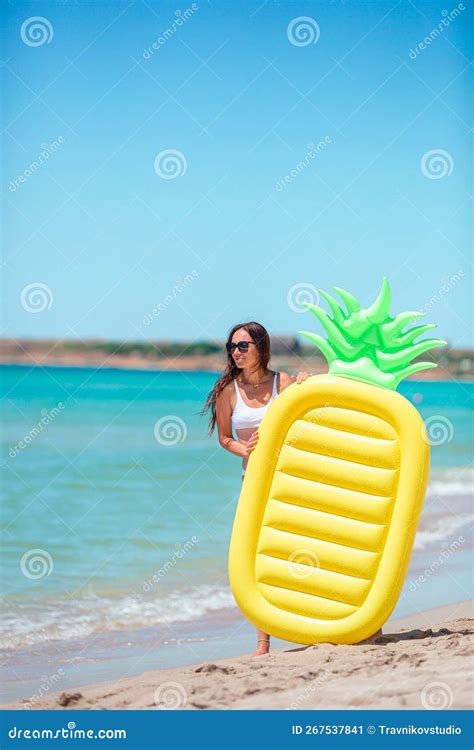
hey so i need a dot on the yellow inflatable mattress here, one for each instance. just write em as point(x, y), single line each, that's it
point(332, 494)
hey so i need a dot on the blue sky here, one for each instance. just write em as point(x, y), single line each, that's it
point(237, 233)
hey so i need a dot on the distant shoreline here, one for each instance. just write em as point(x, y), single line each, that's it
point(434, 375)
point(200, 356)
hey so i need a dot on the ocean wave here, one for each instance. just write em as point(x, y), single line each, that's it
point(449, 488)
point(28, 625)
point(442, 529)
point(451, 482)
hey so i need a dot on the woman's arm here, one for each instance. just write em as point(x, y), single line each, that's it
point(224, 425)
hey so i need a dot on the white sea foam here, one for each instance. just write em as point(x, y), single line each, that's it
point(448, 489)
point(26, 625)
point(442, 530)
point(451, 482)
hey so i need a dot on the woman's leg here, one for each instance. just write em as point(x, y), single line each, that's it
point(263, 644)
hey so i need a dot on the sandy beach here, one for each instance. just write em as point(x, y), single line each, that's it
point(419, 662)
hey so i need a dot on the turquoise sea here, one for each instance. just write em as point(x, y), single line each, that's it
point(117, 510)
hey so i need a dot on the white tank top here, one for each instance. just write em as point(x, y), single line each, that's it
point(245, 416)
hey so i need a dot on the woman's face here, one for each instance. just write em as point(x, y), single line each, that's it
point(248, 359)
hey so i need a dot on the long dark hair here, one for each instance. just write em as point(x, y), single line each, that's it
point(260, 337)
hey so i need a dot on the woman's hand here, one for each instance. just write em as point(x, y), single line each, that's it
point(302, 375)
point(251, 443)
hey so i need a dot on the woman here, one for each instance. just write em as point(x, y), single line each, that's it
point(241, 397)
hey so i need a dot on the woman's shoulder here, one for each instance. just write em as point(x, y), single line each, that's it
point(285, 377)
point(227, 391)
point(284, 380)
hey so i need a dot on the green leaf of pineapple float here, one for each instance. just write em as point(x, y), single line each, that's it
point(368, 344)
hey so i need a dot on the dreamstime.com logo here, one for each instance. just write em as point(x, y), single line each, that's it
point(170, 164)
point(303, 31)
point(177, 289)
point(36, 297)
point(312, 687)
point(312, 153)
point(170, 430)
point(47, 149)
point(47, 683)
point(447, 18)
point(181, 552)
point(437, 696)
point(170, 696)
point(69, 732)
point(436, 564)
point(299, 293)
point(180, 20)
point(47, 416)
point(436, 164)
point(36, 563)
point(439, 430)
point(302, 429)
point(447, 286)
point(36, 31)
point(302, 563)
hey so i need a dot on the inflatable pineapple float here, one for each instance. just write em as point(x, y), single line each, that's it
point(332, 494)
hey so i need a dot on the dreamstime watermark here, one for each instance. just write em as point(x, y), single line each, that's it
point(303, 31)
point(46, 684)
point(36, 297)
point(302, 563)
point(301, 429)
point(170, 430)
point(177, 289)
point(436, 164)
point(437, 696)
point(170, 696)
point(313, 685)
point(312, 153)
point(71, 731)
point(36, 563)
point(36, 31)
point(180, 20)
point(443, 291)
point(448, 17)
point(47, 416)
point(436, 564)
point(297, 433)
point(180, 553)
point(439, 430)
point(46, 150)
point(299, 293)
point(170, 164)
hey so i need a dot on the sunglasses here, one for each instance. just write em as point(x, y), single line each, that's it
point(242, 346)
